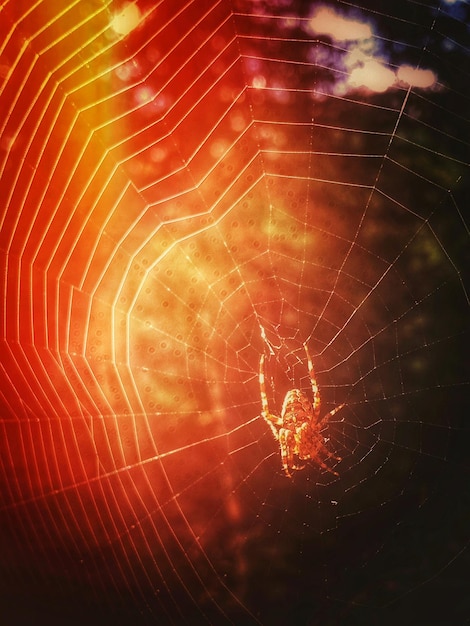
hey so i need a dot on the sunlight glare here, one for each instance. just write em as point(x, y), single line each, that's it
point(125, 21)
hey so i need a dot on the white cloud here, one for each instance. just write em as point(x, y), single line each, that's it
point(416, 77)
point(359, 58)
point(373, 75)
point(326, 22)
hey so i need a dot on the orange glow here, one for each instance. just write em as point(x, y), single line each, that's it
point(186, 186)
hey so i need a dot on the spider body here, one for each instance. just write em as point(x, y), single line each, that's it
point(298, 428)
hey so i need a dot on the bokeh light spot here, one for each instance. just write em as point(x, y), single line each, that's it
point(326, 21)
point(372, 75)
point(126, 20)
point(416, 77)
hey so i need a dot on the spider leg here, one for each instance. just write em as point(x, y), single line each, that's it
point(329, 454)
point(273, 421)
point(326, 417)
point(262, 386)
point(313, 447)
point(287, 443)
point(313, 379)
point(327, 467)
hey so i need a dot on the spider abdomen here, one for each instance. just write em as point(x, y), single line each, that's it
point(296, 407)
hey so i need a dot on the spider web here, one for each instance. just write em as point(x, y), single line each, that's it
point(187, 186)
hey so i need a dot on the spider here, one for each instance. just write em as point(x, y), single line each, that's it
point(298, 429)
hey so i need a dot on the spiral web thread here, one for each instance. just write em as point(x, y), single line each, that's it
point(187, 186)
